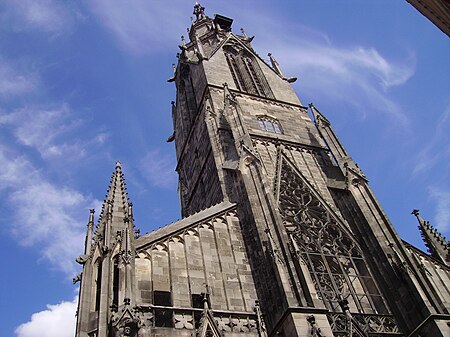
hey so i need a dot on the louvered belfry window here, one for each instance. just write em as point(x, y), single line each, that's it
point(247, 74)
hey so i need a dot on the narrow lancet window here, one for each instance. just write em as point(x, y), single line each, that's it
point(246, 73)
point(116, 284)
point(98, 286)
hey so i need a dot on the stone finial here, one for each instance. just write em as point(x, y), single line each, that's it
point(91, 217)
point(243, 33)
point(199, 11)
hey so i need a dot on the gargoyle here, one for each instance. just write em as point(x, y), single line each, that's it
point(82, 259)
point(77, 278)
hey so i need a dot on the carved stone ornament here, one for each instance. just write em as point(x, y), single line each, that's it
point(315, 331)
point(126, 323)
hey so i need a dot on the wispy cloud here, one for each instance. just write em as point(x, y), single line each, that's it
point(441, 198)
point(358, 75)
point(58, 320)
point(44, 214)
point(49, 16)
point(159, 169)
point(14, 83)
point(140, 26)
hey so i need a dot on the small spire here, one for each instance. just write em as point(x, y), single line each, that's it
point(89, 232)
point(243, 33)
point(130, 211)
point(118, 165)
point(319, 119)
point(91, 216)
point(437, 245)
point(275, 65)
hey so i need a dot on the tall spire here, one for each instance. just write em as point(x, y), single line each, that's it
point(437, 245)
point(115, 207)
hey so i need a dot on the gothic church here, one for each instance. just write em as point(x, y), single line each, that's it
point(281, 234)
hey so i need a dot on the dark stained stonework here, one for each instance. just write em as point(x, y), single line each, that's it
point(437, 11)
point(281, 234)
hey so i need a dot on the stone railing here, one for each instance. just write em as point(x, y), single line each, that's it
point(372, 325)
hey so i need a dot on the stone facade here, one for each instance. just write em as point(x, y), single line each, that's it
point(281, 234)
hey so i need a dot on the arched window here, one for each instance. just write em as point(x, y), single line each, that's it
point(335, 263)
point(247, 75)
point(269, 124)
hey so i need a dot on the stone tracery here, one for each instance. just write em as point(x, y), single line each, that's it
point(334, 260)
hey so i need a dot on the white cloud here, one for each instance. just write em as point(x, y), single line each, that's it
point(48, 131)
point(14, 83)
point(13, 169)
point(159, 169)
point(441, 198)
point(50, 16)
point(57, 321)
point(44, 214)
point(51, 216)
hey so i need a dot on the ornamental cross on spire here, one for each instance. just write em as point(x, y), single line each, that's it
point(199, 11)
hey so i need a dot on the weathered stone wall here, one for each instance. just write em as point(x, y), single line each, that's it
point(199, 182)
point(206, 256)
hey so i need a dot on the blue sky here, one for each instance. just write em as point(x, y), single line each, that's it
point(83, 84)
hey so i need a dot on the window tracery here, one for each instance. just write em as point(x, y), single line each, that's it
point(335, 262)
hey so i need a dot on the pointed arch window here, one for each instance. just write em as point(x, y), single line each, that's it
point(269, 124)
point(116, 275)
point(246, 72)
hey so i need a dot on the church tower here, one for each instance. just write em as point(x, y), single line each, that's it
point(281, 234)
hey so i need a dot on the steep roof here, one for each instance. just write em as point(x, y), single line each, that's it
point(183, 223)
